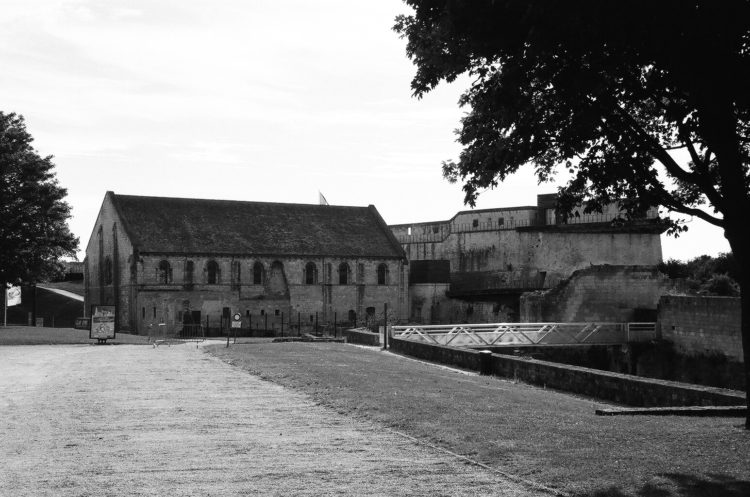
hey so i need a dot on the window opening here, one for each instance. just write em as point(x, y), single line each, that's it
point(213, 273)
point(344, 273)
point(107, 270)
point(257, 273)
point(311, 273)
point(382, 274)
point(164, 273)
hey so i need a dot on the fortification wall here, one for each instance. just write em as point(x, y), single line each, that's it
point(524, 254)
point(599, 293)
point(702, 325)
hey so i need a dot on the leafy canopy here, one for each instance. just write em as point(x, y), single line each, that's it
point(607, 90)
point(33, 225)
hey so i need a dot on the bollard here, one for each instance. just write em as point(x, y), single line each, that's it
point(485, 362)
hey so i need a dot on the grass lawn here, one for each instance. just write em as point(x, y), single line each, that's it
point(25, 335)
point(545, 436)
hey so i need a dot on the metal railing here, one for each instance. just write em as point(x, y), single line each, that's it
point(519, 334)
point(165, 334)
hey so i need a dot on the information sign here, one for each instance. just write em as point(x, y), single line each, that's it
point(102, 322)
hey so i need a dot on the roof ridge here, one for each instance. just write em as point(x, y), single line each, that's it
point(260, 202)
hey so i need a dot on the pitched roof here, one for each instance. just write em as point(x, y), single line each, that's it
point(186, 225)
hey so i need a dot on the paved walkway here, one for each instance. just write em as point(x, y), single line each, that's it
point(136, 420)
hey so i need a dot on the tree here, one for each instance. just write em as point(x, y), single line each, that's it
point(646, 101)
point(34, 234)
point(706, 275)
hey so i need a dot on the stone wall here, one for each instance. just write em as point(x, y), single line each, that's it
point(702, 325)
point(599, 293)
point(362, 337)
point(528, 252)
point(107, 274)
point(615, 387)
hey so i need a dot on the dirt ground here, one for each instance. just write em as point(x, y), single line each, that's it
point(116, 420)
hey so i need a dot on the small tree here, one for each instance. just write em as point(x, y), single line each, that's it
point(34, 234)
point(607, 90)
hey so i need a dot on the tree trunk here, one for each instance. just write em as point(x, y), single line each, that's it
point(735, 235)
point(745, 330)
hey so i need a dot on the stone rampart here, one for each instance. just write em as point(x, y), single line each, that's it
point(599, 293)
point(702, 325)
point(614, 387)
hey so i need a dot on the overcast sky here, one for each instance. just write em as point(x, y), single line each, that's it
point(264, 100)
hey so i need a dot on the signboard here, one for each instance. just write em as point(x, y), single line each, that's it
point(237, 320)
point(82, 324)
point(13, 296)
point(102, 322)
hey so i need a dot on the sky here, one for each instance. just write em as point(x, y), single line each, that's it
point(263, 100)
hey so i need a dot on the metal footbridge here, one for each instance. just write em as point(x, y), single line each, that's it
point(526, 334)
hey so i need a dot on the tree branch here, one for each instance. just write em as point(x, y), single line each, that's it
point(698, 179)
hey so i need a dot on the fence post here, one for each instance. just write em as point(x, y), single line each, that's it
point(208, 330)
point(334, 325)
point(265, 326)
point(316, 323)
point(282, 324)
point(299, 324)
point(385, 326)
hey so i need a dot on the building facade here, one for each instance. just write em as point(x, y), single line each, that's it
point(475, 266)
point(171, 262)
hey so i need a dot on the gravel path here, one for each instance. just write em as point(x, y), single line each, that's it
point(136, 420)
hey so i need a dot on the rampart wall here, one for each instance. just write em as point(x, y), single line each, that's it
point(615, 387)
point(599, 293)
point(702, 325)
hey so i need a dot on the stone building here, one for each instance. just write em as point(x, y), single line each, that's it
point(173, 261)
point(475, 266)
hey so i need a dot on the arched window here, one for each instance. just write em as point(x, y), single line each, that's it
point(257, 273)
point(311, 273)
point(213, 274)
point(107, 273)
point(383, 274)
point(344, 274)
point(164, 273)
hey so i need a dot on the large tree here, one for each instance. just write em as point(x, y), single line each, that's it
point(640, 100)
point(34, 234)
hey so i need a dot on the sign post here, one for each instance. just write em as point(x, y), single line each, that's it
point(102, 323)
point(236, 323)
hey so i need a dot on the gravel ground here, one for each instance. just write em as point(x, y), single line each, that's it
point(79, 420)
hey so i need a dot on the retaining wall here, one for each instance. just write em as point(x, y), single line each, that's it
point(702, 325)
point(614, 387)
point(362, 337)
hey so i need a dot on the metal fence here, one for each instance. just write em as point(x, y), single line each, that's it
point(165, 334)
point(520, 334)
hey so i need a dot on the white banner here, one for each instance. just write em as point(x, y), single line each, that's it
point(14, 295)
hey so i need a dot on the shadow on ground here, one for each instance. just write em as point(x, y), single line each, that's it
point(681, 485)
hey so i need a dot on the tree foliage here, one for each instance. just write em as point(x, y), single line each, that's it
point(706, 275)
point(34, 234)
point(604, 89)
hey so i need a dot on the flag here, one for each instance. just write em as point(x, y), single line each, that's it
point(321, 199)
point(13, 295)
